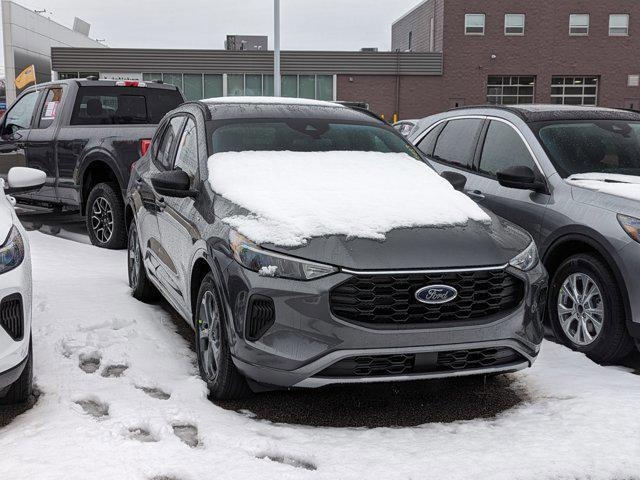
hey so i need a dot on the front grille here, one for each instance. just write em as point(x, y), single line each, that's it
point(389, 299)
point(261, 315)
point(428, 362)
point(11, 316)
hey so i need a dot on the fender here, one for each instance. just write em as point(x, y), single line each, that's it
point(597, 241)
point(97, 154)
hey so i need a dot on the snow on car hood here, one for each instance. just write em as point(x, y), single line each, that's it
point(626, 186)
point(291, 197)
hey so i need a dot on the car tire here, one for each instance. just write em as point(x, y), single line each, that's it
point(141, 287)
point(611, 341)
point(105, 217)
point(21, 389)
point(216, 367)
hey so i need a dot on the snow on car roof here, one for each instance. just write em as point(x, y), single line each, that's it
point(294, 196)
point(273, 101)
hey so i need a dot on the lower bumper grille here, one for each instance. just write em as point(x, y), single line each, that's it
point(261, 315)
point(389, 300)
point(12, 316)
point(430, 362)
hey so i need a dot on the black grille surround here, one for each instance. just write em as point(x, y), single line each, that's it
point(261, 315)
point(12, 316)
point(388, 300)
point(398, 364)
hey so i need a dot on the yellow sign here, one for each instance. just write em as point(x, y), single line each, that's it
point(27, 76)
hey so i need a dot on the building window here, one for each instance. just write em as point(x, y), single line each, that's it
point(510, 90)
point(579, 24)
point(68, 75)
point(514, 24)
point(574, 90)
point(619, 25)
point(633, 81)
point(410, 41)
point(474, 24)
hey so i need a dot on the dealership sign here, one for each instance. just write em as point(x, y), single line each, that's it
point(120, 76)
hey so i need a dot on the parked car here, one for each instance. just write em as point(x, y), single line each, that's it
point(84, 135)
point(405, 127)
point(570, 176)
point(420, 302)
point(16, 356)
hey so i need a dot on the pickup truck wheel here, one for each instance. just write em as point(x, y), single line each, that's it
point(105, 217)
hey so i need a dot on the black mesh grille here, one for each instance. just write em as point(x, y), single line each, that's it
point(11, 316)
point(429, 362)
point(389, 299)
point(261, 314)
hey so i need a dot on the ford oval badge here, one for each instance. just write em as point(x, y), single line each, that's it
point(435, 294)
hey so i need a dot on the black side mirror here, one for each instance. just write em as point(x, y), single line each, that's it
point(456, 179)
point(521, 177)
point(174, 183)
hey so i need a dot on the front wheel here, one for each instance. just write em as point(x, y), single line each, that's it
point(224, 380)
point(105, 217)
point(586, 309)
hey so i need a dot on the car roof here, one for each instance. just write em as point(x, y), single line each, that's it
point(548, 112)
point(280, 107)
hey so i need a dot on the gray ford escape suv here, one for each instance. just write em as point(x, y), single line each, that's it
point(570, 176)
point(420, 302)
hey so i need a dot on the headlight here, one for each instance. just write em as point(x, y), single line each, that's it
point(12, 251)
point(269, 264)
point(631, 225)
point(526, 260)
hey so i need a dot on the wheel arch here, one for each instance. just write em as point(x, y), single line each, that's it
point(98, 167)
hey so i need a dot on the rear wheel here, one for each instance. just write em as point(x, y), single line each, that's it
point(214, 357)
point(105, 217)
point(21, 389)
point(141, 286)
point(587, 311)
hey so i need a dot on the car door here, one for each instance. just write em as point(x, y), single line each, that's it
point(502, 146)
point(451, 147)
point(151, 203)
point(41, 147)
point(14, 132)
point(177, 220)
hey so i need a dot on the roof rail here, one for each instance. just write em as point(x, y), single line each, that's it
point(362, 108)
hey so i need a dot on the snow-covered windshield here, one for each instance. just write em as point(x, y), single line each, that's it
point(306, 135)
point(603, 146)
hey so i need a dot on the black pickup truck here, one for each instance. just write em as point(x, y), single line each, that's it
point(85, 135)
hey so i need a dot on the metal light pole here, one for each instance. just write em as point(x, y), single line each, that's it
point(277, 80)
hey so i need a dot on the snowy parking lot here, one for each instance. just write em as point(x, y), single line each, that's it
point(120, 398)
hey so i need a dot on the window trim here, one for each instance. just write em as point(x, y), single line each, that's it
point(484, 24)
point(196, 179)
point(486, 118)
point(625, 34)
point(588, 27)
point(172, 153)
point(524, 21)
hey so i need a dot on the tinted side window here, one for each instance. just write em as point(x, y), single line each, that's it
point(503, 148)
point(429, 141)
point(457, 142)
point(187, 155)
point(170, 133)
point(19, 117)
point(50, 108)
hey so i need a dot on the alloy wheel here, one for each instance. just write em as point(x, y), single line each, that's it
point(133, 257)
point(102, 219)
point(580, 309)
point(209, 335)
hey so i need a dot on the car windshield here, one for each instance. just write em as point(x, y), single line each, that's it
point(305, 135)
point(602, 146)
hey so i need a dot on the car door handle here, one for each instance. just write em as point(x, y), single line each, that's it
point(475, 194)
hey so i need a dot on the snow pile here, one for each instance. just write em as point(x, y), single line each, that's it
point(142, 422)
point(626, 186)
point(294, 196)
point(273, 101)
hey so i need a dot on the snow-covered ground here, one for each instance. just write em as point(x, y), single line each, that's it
point(121, 400)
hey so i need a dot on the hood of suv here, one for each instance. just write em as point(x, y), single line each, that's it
point(617, 193)
point(475, 245)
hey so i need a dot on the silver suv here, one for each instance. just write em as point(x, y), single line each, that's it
point(571, 177)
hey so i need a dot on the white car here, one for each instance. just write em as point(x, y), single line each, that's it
point(16, 368)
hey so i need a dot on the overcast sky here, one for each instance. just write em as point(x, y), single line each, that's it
point(306, 24)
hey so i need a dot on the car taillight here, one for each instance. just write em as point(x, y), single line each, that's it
point(144, 146)
point(130, 83)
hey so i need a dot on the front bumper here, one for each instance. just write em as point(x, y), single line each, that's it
point(307, 338)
